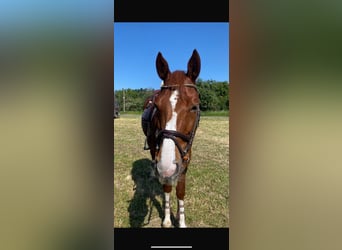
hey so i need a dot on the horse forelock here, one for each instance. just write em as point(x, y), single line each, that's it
point(177, 77)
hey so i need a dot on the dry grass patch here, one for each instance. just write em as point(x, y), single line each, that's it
point(138, 197)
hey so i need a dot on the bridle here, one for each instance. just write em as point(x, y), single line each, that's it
point(173, 135)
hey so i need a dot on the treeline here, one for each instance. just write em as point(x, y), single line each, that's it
point(214, 96)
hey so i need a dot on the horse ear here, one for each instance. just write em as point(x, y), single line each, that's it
point(194, 66)
point(162, 67)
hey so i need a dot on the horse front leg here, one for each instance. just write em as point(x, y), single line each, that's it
point(180, 192)
point(167, 209)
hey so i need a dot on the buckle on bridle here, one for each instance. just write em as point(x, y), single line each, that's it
point(186, 157)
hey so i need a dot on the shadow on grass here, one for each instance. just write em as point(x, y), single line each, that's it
point(147, 189)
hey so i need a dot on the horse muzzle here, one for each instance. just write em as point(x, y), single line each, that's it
point(168, 179)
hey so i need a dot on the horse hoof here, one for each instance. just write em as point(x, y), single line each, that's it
point(182, 226)
point(167, 224)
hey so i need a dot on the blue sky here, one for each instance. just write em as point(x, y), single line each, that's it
point(29, 14)
point(136, 46)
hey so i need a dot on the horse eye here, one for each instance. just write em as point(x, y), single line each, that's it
point(194, 108)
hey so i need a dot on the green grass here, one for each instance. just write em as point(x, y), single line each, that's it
point(130, 113)
point(138, 198)
point(224, 113)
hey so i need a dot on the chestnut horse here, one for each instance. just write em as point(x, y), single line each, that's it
point(169, 122)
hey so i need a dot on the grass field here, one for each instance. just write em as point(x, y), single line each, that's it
point(138, 197)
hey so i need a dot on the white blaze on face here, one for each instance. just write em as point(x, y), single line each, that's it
point(166, 165)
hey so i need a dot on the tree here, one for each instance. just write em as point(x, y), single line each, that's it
point(214, 96)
